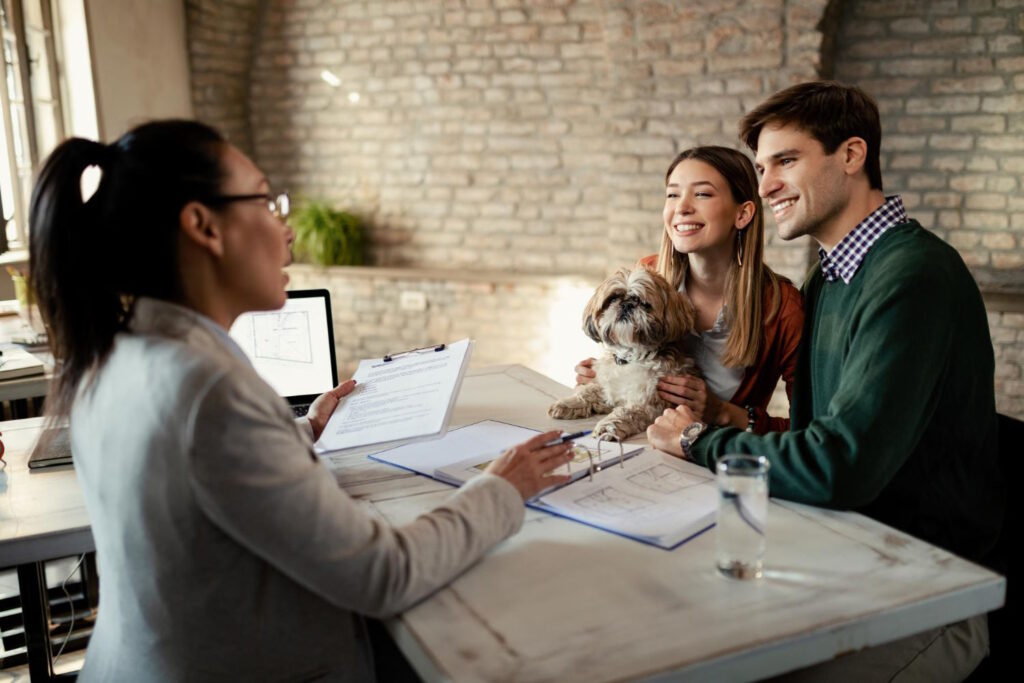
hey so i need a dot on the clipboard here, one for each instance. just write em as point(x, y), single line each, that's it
point(401, 396)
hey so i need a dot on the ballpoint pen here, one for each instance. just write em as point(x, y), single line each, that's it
point(567, 437)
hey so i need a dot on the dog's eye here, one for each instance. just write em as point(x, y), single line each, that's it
point(646, 306)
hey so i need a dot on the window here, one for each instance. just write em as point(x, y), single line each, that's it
point(32, 121)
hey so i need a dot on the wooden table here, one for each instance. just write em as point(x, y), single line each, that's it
point(21, 388)
point(564, 602)
point(42, 517)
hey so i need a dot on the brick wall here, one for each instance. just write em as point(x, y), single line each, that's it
point(532, 320)
point(221, 36)
point(1006, 321)
point(949, 79)
point(519, 135)
point(531, 136)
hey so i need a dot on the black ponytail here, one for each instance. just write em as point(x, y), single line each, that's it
point(89, 258)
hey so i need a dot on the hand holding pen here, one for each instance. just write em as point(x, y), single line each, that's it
point(569, 437)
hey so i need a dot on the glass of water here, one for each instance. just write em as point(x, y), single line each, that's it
point(742, 510)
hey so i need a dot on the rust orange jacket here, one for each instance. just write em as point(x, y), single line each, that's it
point(776, 357)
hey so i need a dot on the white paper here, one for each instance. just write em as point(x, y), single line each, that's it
point(480, 441)
point(16, 362)
point(457, 469)
point(408, 397)
point(653, 497)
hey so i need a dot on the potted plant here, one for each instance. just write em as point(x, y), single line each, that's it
point(327, 236)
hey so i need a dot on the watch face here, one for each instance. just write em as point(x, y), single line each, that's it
point(691, 432)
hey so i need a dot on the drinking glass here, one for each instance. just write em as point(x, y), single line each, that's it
point(742, 509)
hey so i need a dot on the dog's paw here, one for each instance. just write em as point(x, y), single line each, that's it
point(571, 408)
point(611, 429)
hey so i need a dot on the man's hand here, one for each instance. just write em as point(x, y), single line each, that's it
point(585, 371)
point(323, 407)
point(665, 432)
point(693, 393)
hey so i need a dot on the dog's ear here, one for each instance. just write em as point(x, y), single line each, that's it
point(679, 314)
point(590, 313)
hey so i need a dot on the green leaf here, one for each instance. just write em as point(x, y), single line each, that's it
point(327, 236)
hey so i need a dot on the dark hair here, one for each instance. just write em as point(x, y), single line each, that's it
point(831, 112)
point(748, 275)
point(89, 260)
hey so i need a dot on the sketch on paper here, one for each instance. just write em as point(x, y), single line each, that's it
point(664, 479)
point(282, 336)
point(611, 501)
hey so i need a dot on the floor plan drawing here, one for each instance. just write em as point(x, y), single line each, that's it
point(664, 479)
point(613, 502)
point(282, 336)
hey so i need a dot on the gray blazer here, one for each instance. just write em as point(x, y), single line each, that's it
point(225, 548)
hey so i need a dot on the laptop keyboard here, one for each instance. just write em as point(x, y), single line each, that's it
point(301, 410)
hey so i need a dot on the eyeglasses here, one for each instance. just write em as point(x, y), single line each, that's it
point(279, 205)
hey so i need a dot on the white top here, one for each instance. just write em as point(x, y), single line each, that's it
point(228, 550)
point(706, 349)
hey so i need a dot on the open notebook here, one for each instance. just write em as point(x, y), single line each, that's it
point(641, 494)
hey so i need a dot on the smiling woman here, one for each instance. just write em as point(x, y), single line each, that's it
point(748, 319)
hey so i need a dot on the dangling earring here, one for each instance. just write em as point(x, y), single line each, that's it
point(739, 247)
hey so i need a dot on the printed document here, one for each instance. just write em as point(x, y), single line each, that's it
point(648, 496)
point(408, 397)
point(467, 451)
point(654, 498)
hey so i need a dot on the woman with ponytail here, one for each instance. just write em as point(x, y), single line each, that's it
point(748, 318)
point(226, 549)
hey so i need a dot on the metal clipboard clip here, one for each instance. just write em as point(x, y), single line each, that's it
point(388, 357)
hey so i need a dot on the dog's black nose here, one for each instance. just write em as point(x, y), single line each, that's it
point(625, 309)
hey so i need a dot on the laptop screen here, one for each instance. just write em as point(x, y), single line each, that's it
point(293, 348)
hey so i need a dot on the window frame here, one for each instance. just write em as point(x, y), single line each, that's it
point(21, 174)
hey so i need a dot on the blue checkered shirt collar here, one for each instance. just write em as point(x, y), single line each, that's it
point(845, 259)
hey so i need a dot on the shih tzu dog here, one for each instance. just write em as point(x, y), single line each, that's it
point(640, 322)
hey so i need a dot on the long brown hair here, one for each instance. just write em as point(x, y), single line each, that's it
point(744, 284)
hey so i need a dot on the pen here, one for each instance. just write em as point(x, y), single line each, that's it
point(567, 437)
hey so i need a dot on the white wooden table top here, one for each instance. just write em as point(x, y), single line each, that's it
point(564, 602)
point(42, 514)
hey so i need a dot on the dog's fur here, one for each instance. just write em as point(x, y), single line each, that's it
point(639, 319)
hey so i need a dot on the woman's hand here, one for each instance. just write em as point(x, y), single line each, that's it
point(323, 407)
point(693, 393)
point(665, 432)
point(528, 465)
point(585, 371)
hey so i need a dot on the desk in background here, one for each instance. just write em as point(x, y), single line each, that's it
point(562, 601)
point(19, 391)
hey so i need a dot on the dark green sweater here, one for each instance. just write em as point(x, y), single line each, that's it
point(893, 408)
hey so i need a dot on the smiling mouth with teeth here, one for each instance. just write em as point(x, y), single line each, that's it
point(687, 227)
point(784, 204)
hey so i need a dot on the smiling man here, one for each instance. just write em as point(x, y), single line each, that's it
point(893, 408)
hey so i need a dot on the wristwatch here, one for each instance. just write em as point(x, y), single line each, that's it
point(691, 433)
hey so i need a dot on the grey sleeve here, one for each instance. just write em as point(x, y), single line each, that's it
point(259, 482)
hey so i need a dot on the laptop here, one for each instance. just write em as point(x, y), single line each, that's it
point(293, 348)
